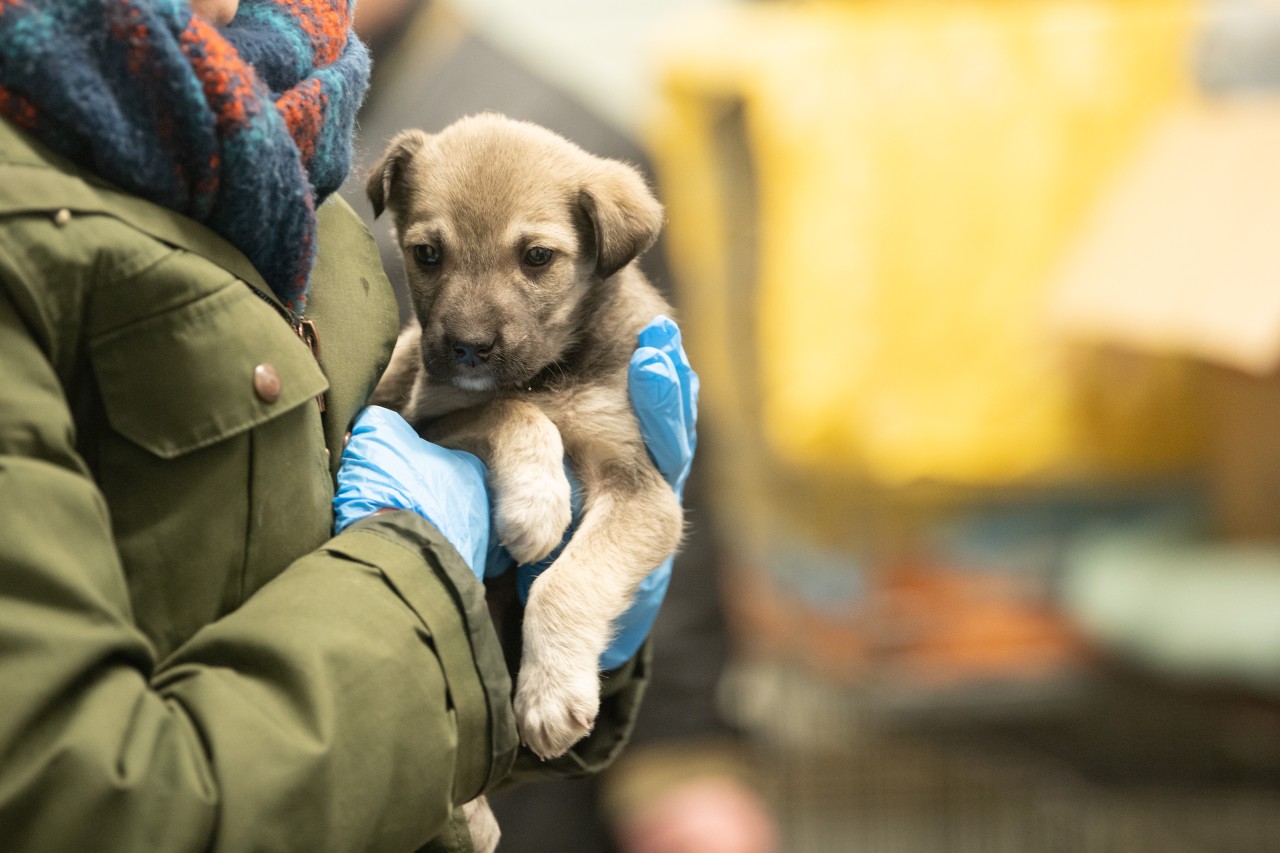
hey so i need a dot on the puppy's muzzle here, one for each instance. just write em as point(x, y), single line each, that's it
point(470, 363)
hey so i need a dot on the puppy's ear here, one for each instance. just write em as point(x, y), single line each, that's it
point(624, 216)
point(389, 169)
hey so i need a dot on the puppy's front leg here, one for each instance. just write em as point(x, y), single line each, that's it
point(525, 455)
point(482, 825)
point(625, 532)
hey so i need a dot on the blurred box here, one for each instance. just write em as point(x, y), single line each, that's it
point(1182, 259)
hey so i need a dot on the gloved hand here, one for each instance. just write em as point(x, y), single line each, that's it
point(386, 465)
point(664, 395)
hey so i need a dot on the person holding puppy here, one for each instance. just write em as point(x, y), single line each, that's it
point(189, 328)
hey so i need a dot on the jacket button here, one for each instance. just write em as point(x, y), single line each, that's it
point(266, 382)
point(62, 217)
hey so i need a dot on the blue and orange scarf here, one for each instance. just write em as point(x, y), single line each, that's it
point(244, 128)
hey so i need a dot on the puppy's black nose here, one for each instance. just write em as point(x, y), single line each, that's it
point(472, 354)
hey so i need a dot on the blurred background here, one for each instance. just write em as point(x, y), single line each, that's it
point(985, 298)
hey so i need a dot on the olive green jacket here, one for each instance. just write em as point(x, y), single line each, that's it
point(189, 660)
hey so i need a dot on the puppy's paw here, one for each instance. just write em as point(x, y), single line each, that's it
point(532, 512)
point(555, 710)
point(482, 825)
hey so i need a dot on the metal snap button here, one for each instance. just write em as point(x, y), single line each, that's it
point(266, 383)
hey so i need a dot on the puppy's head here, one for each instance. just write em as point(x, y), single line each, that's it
point(506, 230)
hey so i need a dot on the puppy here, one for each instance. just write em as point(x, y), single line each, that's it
point(519, 248)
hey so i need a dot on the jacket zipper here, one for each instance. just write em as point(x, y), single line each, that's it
point(305, 330)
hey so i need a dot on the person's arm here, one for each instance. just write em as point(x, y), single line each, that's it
point(347, 705)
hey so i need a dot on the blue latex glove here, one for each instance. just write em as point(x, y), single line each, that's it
point(387, 465)
point(664, 395)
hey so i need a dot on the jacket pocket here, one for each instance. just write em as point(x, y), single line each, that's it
point(202, 372)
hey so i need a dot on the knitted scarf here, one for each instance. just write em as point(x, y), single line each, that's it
point(246, 128)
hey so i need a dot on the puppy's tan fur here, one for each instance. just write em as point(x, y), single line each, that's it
point(525, 364)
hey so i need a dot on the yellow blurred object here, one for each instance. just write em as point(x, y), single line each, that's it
point(867, 202)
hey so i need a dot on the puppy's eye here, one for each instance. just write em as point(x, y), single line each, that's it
point(426, 254)
point(538, 256)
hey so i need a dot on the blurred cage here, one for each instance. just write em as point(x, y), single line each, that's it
point(869, 203)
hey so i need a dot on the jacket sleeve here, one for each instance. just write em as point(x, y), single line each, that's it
point(347, 705)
